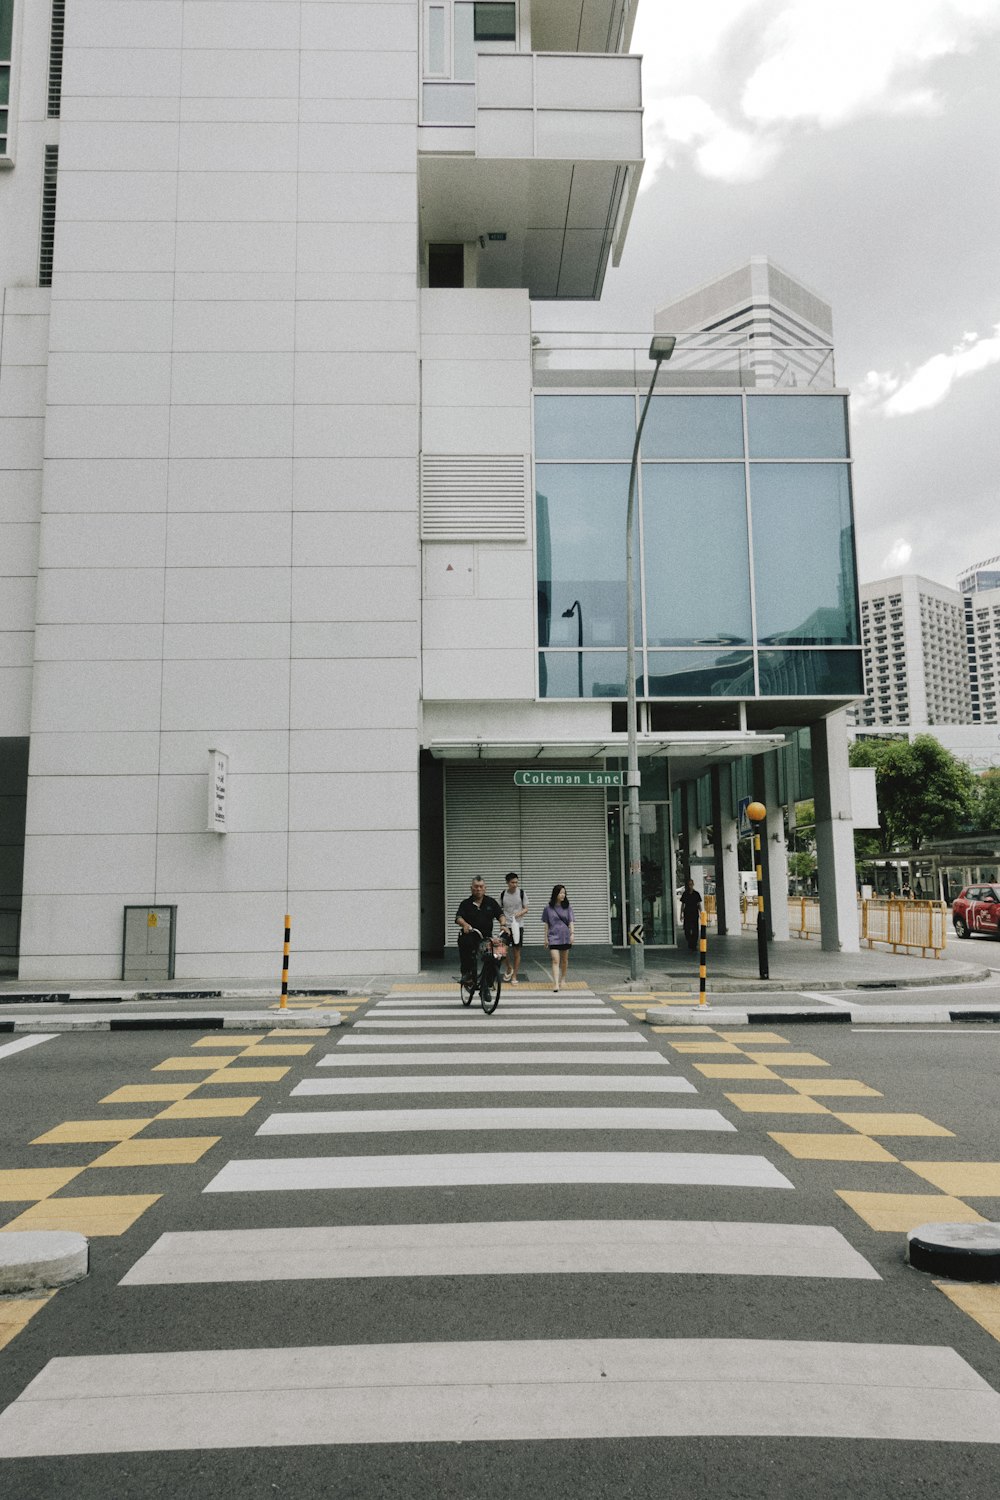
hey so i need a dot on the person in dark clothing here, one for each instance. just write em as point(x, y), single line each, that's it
point(691, 913)
point(475, 917)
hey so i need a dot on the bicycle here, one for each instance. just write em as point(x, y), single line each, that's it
point(488, 977)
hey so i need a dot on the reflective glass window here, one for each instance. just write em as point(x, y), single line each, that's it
point(797, 426)
point(696, 555)
point(582, 674)
point(584, 427)
point(495, 20)
point(808, 674)
point(803, 547)
point(654, 786)
point(580, 514)
point(693, 427)
point(449, 103)
point(701, 674)
point(435, 59)
point(463, 58)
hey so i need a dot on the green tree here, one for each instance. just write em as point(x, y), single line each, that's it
point(924, 792)
point(989, 802)
point(805, 824)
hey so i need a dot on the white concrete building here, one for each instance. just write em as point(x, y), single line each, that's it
point(784, 329)
point(932, 660)
point(279, 611)
point(916, 664)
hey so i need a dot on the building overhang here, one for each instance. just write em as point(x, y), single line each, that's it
point(545, 173)
point(689, 753)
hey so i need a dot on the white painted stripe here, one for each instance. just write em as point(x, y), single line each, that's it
point(477, 1018)
point(511, 996)
point(9, 1048)
point(520, 1247)
point(497, 1083)
point(484, 1039)
point(544, 1057)
point(494, 1169)
point(495, 1118)
point(532, 987)
point(499, 1392)
point(508, 1010)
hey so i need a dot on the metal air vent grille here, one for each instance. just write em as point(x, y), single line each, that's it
point(56, 58)
point(482, 497)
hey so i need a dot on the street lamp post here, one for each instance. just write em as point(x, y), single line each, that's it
point(757, 812)
point(576, 608)
point(660, 349)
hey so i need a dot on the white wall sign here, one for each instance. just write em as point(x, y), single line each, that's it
point(218, 778)
point(864, 802)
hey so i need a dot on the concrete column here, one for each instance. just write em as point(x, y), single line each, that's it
point(727, 864)
point(773, 846)
point(688, 830)
point(838, 909)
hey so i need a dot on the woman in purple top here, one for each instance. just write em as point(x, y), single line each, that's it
point(557, 919)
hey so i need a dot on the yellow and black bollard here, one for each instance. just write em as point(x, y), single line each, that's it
point(703, 958)
point(284, 962)
point(757, 812)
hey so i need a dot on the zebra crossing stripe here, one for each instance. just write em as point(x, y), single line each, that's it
point(513, 996)
point(527, 1390)
point(510, 1117)
point(496, 1083)
point(484, 1039)
point(496, 1169)
point(520, 1247)
point(509, 1010)
point(544, 1056)
point(476, 1018)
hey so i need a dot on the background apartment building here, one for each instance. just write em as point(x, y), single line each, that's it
point(932, 660)
point(310, 541)
point(916, 663)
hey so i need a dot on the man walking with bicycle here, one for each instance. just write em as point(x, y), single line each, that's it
point(475, 917)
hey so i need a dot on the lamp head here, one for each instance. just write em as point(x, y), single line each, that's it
point(662, 346)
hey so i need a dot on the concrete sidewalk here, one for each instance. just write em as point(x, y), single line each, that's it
point(732, 968)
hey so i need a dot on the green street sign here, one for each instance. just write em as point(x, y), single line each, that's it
point(569, 778)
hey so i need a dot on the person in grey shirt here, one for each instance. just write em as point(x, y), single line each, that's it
point(514, 904)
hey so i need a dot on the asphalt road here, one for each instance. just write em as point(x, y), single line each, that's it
point(687, 1368)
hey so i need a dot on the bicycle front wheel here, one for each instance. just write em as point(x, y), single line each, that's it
point(490, 987)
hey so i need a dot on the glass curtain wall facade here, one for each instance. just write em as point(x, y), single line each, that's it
point(745, 540)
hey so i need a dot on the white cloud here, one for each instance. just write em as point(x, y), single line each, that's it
point(799, 65)
point(897, 557)
point(931, 382)
point(828, 64)
point(720, 149)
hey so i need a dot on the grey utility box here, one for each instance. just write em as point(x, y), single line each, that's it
point(148, 942)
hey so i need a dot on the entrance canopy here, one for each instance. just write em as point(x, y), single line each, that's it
point(689, 753)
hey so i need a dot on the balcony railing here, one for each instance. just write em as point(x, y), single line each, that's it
point(610, 360)
point(556, 106)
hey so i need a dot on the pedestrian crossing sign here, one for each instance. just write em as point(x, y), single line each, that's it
point(745, 828)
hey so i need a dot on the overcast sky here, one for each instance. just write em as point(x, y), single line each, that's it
point(858, 145)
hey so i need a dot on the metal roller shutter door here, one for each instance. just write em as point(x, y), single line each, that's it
point(491, 826)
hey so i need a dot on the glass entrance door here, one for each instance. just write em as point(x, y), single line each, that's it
point(657, 873)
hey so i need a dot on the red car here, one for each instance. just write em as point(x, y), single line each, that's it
point(977, 909)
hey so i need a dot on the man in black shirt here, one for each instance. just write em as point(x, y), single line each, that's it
point(691, 913)
point(475, 917)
